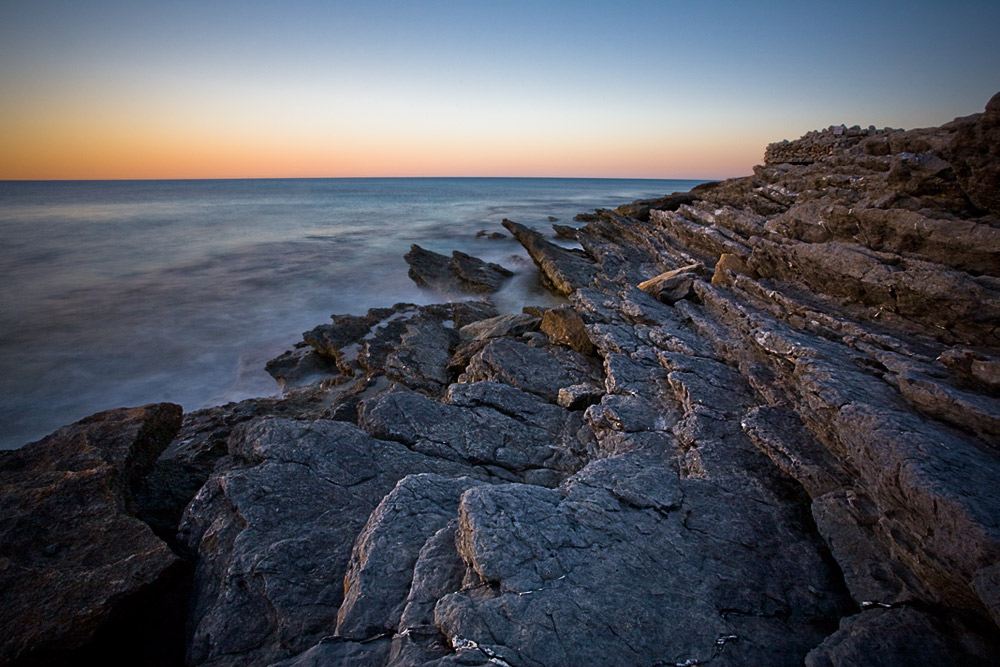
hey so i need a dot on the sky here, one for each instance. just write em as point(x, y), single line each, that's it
point(108, 89)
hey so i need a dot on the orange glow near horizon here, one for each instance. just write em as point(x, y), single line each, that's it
point(97, 135)
point(321, 89)
point(129, 146)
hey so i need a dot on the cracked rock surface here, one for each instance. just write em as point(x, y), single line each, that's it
point(782, 449)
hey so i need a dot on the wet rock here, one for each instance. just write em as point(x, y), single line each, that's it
point(429, 269)
point(71, 548)
point(338, 341)
point(477, 276)
point(565, 232)
point(301, 366)
point(561, 270)
point(460, 273)
point(493, 236)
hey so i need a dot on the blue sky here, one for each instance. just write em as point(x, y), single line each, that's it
point(660, 89)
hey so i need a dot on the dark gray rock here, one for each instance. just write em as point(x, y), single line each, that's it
point(301, 366)
point(186, 463)
point(477, 276)
point(558, 575)
point(333, 651)
point(490, 425)
point(428, 268)
point(460, 273)
point(71, 548)
point(542, 372)
point(467, 312)
point(380, 573)
point(273, 535)
point(330, 340)
point(565, 232)
point(501, 326)
point(420, 357)
point(848, 521)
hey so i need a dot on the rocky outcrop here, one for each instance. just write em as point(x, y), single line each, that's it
point(560, 269)
point(761, 430)
point(74, 559)
point(460, 273)
point(974, 154)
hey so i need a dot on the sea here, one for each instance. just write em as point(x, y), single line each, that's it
point(121, 293)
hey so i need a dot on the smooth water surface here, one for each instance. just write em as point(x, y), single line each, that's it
point(129, 292)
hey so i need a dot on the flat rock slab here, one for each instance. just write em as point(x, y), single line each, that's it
point(538, 371)
point(505, 428)
point(604, 572)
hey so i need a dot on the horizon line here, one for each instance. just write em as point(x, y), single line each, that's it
point(345, 178)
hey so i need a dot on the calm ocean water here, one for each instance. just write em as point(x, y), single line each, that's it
point(131, 292)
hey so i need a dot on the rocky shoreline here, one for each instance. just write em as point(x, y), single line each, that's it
point(763, 430)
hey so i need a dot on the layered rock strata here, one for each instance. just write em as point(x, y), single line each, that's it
point(763, 430)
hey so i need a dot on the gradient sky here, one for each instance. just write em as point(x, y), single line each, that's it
point(693, 89)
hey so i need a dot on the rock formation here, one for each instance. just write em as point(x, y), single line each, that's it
point(461, 273)
point(764, 429)
point(73, 556)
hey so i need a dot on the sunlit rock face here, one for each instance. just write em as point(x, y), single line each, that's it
point(761, 430)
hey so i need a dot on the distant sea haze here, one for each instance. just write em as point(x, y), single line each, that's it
point(120, 293)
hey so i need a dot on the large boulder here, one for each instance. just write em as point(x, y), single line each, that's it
point(72, 553)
